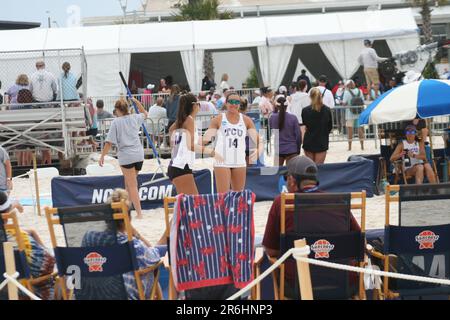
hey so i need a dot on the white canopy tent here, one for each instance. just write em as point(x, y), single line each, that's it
point(108, 48)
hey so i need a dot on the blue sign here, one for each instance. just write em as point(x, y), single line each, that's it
point(82, 190)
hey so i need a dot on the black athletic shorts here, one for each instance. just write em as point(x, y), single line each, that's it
point(288, 155)
point(136, 165)
point(92, 132)
point(174, 172)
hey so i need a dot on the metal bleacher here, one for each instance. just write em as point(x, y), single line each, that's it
point(52, 127)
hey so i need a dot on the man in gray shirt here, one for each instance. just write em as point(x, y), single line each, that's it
point(369, 60)
point(101, 113)
point(5, 171)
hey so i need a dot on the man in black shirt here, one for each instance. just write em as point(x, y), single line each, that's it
point(303, 76)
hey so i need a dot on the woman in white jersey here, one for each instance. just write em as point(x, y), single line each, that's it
point(414, 156)
point(184, 140)
point(230, 129)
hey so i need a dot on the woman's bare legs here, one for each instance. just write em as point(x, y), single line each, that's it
point(223, 179)
point(185, 184)
point(309, 155)
point(319, 157)
point(350, 137)
point(361, 137)
point(130, 177)
point(238, 177)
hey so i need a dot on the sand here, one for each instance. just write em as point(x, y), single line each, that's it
point(152, 225)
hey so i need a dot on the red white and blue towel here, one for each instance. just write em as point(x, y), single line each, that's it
point(213, 240)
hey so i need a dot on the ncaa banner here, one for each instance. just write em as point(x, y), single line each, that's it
point(333, 177)
point(82, 190)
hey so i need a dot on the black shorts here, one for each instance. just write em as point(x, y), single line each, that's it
point(174, 172)
point(136, 165)
point(288, 155)
point(92, 132)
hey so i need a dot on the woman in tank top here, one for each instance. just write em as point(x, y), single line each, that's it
point(229, 130)
point(184, 140)
point(414, 156)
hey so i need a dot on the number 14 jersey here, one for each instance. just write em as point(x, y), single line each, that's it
point(230, 143)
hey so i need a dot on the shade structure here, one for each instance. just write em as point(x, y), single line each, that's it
point(425, 98)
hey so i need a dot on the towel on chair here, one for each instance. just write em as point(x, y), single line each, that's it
point(213, 240)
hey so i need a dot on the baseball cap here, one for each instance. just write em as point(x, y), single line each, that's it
point(282, 89)
point(5, 201)
point(302, 167)
point(265, 90)
point(258, 92)
point(150, 86)
point(323, 78)
point(410, 128)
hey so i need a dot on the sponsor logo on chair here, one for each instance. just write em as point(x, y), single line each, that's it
point(426, 239)
point(95, 262)
point(322, 249)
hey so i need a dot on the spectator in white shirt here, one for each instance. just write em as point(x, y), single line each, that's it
point(298, 100)
point(157, 111)
point(224, 82)
point(369, 60)
point(43, 84)
point(327, 95)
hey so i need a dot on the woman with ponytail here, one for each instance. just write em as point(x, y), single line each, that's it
point(285, 127)
point(319, 123)
point(184, 140)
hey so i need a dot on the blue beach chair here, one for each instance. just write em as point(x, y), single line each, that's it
point(324, 221)
point(93, 257)
point(420, 243)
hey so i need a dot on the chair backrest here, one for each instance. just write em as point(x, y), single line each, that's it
point(422, 205)
point(92, 246)
point(324, 220)
point(8, 221)
point(213, 240)
point(421, 240)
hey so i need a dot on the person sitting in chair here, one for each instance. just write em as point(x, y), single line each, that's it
point(302, 177)
point(40, 261)
point(146, 254)
point(412, 152)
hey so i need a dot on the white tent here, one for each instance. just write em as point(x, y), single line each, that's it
point(108, 48)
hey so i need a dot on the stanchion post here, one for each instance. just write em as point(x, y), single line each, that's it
point(36, 184)
point(10, 265)
point(304, 276)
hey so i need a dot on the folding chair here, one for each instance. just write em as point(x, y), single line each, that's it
point(93, 257)
point(9, 224)
point(324, 221)
point(420, 243)
point(169, 208)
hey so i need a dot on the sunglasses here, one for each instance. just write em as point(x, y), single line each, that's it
point(234, 102)
point(411, 132)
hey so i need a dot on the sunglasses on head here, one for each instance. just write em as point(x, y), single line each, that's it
point(234, 102)
point(411, 132)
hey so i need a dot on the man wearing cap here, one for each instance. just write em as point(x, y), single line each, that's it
point(369, 60)
point(327, 95)
point(301, 177)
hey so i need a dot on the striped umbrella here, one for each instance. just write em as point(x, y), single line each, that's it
point(425, 98)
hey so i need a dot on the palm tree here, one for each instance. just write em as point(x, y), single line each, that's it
point(425, 6)
point(203, 10)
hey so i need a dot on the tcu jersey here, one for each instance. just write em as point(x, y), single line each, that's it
point(415, 149)
point(230, 143)
point(182, 155)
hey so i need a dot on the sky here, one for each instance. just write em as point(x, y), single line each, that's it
point(65, 12)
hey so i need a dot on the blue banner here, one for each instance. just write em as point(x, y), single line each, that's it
point(333, 177)
point(76, 191)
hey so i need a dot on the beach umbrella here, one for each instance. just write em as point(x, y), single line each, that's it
point(425, 98)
